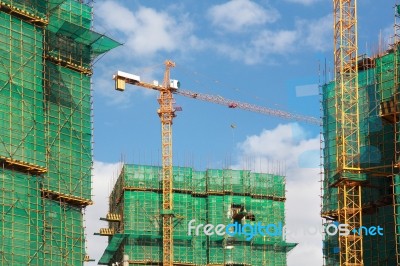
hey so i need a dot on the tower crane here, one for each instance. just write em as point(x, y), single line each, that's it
point(349, 177)
point(166, 113)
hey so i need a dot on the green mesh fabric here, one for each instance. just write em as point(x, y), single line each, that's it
point(377, 151)
point(46, 54)
point(21, 122)
point(208, 197)
point(69, 133)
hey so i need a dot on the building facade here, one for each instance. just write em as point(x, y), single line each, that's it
point(238, 199)
point(46, 53)
point(379, 109)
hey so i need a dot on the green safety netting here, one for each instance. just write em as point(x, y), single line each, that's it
point(69, 132)
point(45, 120)
point(378, 140)
point(70, 37)
point(40, 8)
point(112, 247)
point(35, 230)
point(21, 219)
point(35, 7)
point(21, 92)
point(211, 180)
point(98, 43)
point(63, 234)
point(52, 4)
point(224, 191)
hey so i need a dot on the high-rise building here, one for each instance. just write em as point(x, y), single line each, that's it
point(46, 54)
point(379, 109)
point(221, 217)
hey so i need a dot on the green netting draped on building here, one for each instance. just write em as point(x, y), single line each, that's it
point(46, 53)
point(70, 38)
point(21, 219)
point(37, 8)
point(21, 91)
point(69, 132)
point(379, 136)
point(63, 236)
point(213, 196)
point(36, 230)
point(200, 182)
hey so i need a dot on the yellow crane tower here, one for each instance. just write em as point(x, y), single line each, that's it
point(166, 113)
point(349, 175)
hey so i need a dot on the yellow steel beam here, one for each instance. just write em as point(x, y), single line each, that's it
point(167, 113)
point(346, 78)
point(347, 124)
point(350, 213)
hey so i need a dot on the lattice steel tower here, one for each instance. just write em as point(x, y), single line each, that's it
point(348, 178)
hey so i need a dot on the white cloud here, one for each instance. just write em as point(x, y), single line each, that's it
point(148, 34)
point(308, 34)
point(237, 15)
point(275, 42)
point(112, 14)
point(104, 176)
point(318, 33)
point(269, 46)
point(284, 143)
point(302, 217)
point(146, 31)
point(303, 2)
point(260, 46)
point(299, 153)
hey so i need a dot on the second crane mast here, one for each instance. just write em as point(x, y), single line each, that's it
point(349, 177)
point(166, 113)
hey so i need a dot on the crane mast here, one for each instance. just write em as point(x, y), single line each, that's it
point(349, 177)
point(167, 114)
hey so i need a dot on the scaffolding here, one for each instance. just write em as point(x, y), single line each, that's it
point(378, 156)
point(210, 197)
point(63, 235)
point(21, 218)
point(21, 91)
point(396, 106)
point(46, 53)
point(37, 230)
point(69, 133)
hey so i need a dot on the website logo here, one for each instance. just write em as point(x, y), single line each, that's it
point(274, 230)
point(343, 230)
point(236, 229)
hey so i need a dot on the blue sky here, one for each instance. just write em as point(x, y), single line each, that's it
point(269, 53)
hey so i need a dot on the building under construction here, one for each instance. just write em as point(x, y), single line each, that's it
point(46, 53)
point(378, 201)
point(208, 197)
